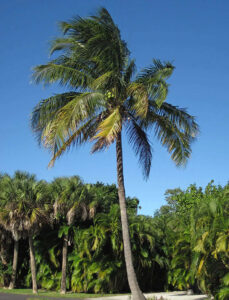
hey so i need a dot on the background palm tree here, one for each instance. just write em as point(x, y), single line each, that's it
point(104, 99)
point(5, 237)
point(24, 213)
point(72, 202)
point(9, 194)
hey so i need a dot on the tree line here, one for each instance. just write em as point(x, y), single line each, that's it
point(66, 235)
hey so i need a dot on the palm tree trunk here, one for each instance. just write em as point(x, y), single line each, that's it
point(32, 264)
point(132, 279)
point(15, 261)
point(64, 265)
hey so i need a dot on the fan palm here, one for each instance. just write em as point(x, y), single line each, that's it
point(5, 236)
point(24, 213)
point(105, 98)
point(72, 201)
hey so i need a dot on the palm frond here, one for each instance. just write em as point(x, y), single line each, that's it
point(154, 78)
point(141, 146)
point(178, 116)
point(103, 82)
point(140, 99)
point(156, 71)
point(46, 110)
point(80, 108)
point(110, 127)
point(64, 71)
point(100, 38)
point(80, 136)
point(177, 142)
point(68, 122)
point(63, 44)
point(129, 71)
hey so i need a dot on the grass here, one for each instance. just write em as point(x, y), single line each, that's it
point(44, 293)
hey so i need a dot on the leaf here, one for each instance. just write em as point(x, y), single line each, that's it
point(226, 279)
point(201, 265)
point(63, 231)
point(144, 253)
point(110, 127)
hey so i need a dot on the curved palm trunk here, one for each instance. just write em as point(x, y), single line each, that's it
point(64, 265)
point(32, 264)
point(15, 262)
point(132, 279)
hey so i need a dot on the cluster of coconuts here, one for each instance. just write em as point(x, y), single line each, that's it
point(109, 95)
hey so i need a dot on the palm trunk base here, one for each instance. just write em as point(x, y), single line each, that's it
point(138, 296)
point(64, 265)
point(32, 264)
point(15, 262)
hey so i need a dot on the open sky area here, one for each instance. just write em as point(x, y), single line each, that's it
point(193, 34)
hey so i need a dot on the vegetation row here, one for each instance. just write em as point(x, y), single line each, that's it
point(66, 235)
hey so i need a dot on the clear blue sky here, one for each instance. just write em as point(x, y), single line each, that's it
point(192, 34)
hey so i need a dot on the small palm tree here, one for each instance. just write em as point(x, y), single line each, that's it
point(105, 98)
point(23, 215)
point(5, 237)
point(72, 201)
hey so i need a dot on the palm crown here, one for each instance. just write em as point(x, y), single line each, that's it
point(107, 96)
point(25, 204)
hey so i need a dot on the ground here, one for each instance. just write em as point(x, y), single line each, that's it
point(167, 296)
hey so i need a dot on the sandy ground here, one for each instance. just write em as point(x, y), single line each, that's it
point(176, 296)
point(167, 296)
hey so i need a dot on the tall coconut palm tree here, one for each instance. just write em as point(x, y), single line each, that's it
point(105, 98)
point(72, 201)
point(23, 215)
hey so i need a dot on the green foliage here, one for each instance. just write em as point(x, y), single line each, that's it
point(185, 245)
point(198, 238)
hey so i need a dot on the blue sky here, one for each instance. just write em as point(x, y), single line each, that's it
point(192, 34)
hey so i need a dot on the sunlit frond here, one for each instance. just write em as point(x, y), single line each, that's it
point(110, 127)
point(140, 99)
point(46, 110)
point(79, 136)
point(69, 122)
point(103, 82)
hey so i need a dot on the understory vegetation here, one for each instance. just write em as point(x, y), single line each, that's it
point(185, 245)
